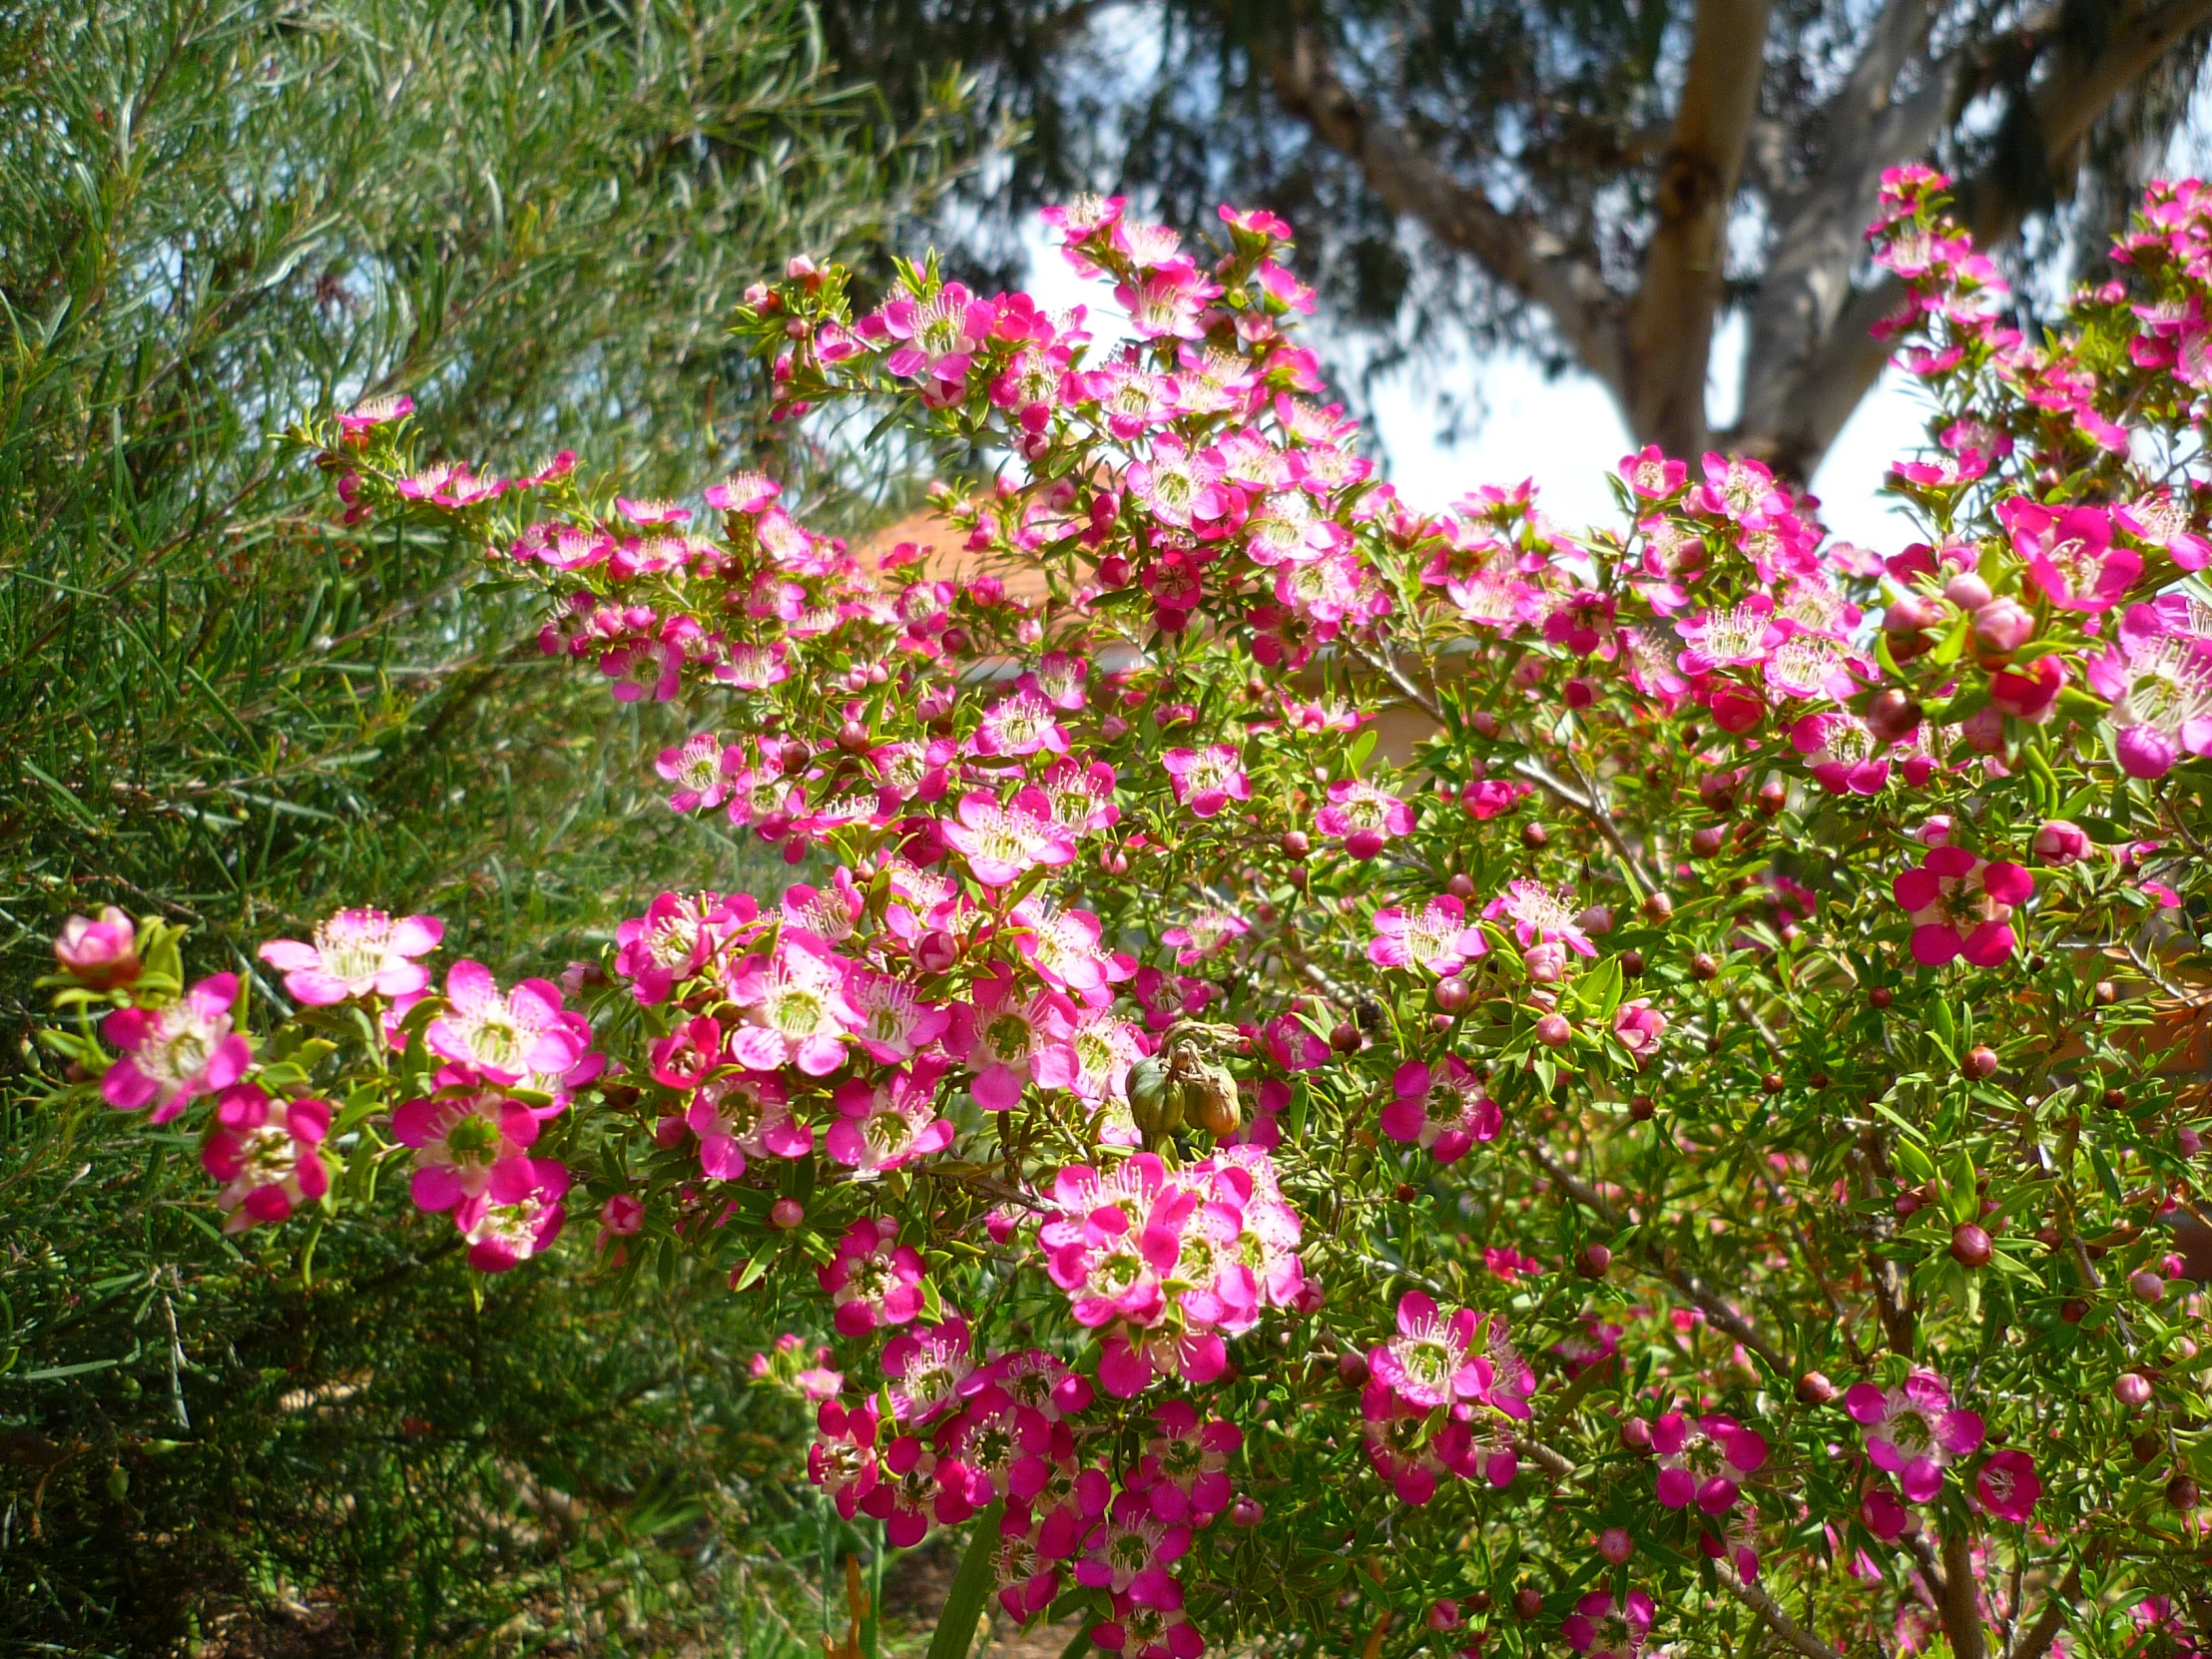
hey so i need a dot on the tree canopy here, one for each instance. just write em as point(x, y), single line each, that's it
point(1606, 181)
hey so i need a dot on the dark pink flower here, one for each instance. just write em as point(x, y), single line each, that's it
point(1431, 1361)
point(1639, 1026)
point(928, 1371)
point(1605, 1628)
point(1962, 906)
point(1363, 817)
point(516, 1217)
point(1207, 779)
point(505, 1035)
point(1705, 1460)
point(266, 1153)
point(873, 1280)
point(999, 1035)
point(1442, 1109)
point(892, 1121)
point(740, 1116)
point(1183, 1471)
point(461, 1135)
point(2008, 1485)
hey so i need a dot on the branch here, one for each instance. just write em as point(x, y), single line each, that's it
point(1670, 325)
point(1519, 250)
point(1692, 1288)
point(2057, 1605)
point(1961, 1606)
point(1752, 1596)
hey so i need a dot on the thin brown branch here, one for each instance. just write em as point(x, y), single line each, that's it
point(2057, 1605)
point(1752, 1596)
point(1688, 1284)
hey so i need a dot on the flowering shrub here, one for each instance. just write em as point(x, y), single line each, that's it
point(1707, 1140)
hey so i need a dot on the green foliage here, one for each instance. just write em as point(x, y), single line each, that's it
point(220, 707)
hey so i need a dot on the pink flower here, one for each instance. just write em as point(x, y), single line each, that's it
point(1129, 1553)
point(171, 1054)
point(1652, 475)
point(1202, 934)
point(1607, 1629)
point(1541, 915)
point(1063, 947)
point(1639, 1026)
point(2008, 1485)
point(873, 1280)
point(1207, 779)
point(516, 1217)
point(1742, 637)
point(744, 492)
point(1842, 753)
point(266, 1153)
point(2162, 520)
point(928, 1371)
point(101, 953)
point(795, 1008)
point(892, 1121)
point(674, 938)
point(1363, 817)
point(1168, 997)
point(2159, 683)
point(1140, 1632)
point(1025, 1581)
point(1092, 1062)
point(740, 1116)
point(1706, 1460)
point(1962, 905)
point(460, 1136)
point(356, 954)
point(1082, 794)
point(1293, 1046)
point(1914, 1431)
point(371, 412)
point(1442, 1109)
point(1182, 1474)
point(2070, 554)
point(1021, 723)
point(1004, 841)
point(703, 770)
point(1437, 936)
point(506, 1036)
point(999, 1035)
point(1430, 1363)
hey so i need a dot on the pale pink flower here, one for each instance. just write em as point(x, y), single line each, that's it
point(1437, 936)
point(356, 954)
point(505, 1035)
point(890, 1122)
point(169, 1055)
point(1207, 779)
point(266, 1153)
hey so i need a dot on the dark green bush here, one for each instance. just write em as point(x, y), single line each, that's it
point(218, 706)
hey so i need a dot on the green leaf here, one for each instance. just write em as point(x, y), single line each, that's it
point(963, 1604)
point(1361, 746)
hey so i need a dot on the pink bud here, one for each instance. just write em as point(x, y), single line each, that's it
point(1546, 964)
point(1615, 1544)
point(787, 1213)
point(1246, 1511)
point(2146, 1286)
point(1444, 1615)
point(1553, 1031)
point(669, 1132)
point(2003, 625)
point(1598, 918)
point(102, 954)
point(1967, 591)
point(623, 1213)
point(935, 951)
point(1910, 615)
point(2132, 1389)
point(2060, 842)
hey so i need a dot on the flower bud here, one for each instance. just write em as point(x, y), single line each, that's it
point(1598, 918)
point(2182, 1493)
point(1981, 1063)
point(1593, 1260)
point(2060, 842)
point(1910, 615)
point(1553, 1031)
point(1641, 1107)
point(1892, 716)
point(1615, 1544)
point(2003, 625)
point(1636, 1434)
point(1706, 842)
point(787, 1213)
point(1970, 1246)
point(1444, 1615)
point(103, 953)
point(1246, 1511)
point(1813, 1388)
point(2132, 1389)
point(1967, 591)
point(1461, 887)
point(2146, 1286)
point(1344, 1039)
point(1452, 995)
point(1528, 1601)
point(1546, 964)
